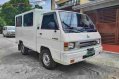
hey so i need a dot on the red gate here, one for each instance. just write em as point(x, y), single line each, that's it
point(107, 22)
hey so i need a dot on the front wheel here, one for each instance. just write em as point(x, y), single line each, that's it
point(23, 49)
point(47, 60)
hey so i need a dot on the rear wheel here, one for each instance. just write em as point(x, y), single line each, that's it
point(47, 59)
point(23, 49)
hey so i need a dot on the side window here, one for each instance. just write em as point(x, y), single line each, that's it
point(49, 22)
point(28, 20)
point(3, 28)
point(19, 21)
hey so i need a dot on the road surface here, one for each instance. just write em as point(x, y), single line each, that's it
point(13, 65)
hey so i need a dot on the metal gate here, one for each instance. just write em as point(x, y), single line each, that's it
point(107, 22)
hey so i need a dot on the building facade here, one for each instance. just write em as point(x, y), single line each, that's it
point(65, 4)
point(104, 13)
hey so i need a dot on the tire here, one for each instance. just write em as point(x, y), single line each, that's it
point(47, 60)
point(23, 49)
point(19, 47)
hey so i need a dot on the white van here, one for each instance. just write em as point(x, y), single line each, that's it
point(63, 37)
point(8, 31)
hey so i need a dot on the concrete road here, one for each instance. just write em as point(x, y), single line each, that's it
point(13, 65)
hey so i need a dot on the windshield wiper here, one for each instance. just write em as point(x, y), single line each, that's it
point(69, 27)
point(91, 30)
point(73, 29)
point(65, 24)
point(70, 30)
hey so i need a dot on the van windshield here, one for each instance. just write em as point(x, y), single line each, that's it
point(73, 22)
point(11, 28)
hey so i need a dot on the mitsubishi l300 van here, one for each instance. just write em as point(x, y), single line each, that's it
point(59, 36)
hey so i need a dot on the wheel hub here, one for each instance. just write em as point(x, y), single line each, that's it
point(46, 59)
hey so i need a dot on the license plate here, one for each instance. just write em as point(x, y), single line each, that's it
point(90, 52)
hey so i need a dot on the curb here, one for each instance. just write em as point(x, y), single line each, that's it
point(111, 52)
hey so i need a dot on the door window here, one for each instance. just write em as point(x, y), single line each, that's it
point(28, 20)
point(19, 21)
point(49, 22)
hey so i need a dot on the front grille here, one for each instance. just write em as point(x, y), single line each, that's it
point(12, 32)
point(88, 43)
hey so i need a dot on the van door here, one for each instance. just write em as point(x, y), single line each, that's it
point(49, 34)
point(29, 31)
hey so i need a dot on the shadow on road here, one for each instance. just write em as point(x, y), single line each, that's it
point(83, 68)
point(34, 57)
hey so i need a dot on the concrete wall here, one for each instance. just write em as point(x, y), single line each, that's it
point(62, 1)
point(84, 1)
point(81, 1)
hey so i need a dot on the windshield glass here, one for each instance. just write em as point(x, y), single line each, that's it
point(11, 28)
point(73, 22)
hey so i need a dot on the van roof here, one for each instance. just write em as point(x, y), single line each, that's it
point(44, 11)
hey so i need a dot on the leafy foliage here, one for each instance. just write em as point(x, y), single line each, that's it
point(8, 13)
point(21, 5)
point(2, 22)
point(12, 8)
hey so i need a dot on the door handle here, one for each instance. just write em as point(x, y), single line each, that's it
point(40, 33)
point(55, 38)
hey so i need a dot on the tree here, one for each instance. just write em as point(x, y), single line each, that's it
point(8, 13)
point(21, 5)
point(12, 8)
point(2, 22)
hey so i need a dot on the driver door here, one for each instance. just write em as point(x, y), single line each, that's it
point(49, 34)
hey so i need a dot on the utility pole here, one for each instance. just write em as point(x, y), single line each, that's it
point(53, 4)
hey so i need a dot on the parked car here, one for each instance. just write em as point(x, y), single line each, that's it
point(8, 31)
point(59, 36)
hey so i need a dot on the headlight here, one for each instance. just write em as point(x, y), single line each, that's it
point(69, 45)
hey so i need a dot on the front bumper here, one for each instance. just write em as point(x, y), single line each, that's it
point(10, 34)
point(72, 57)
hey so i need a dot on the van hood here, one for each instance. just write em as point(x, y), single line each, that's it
point(72, 37)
